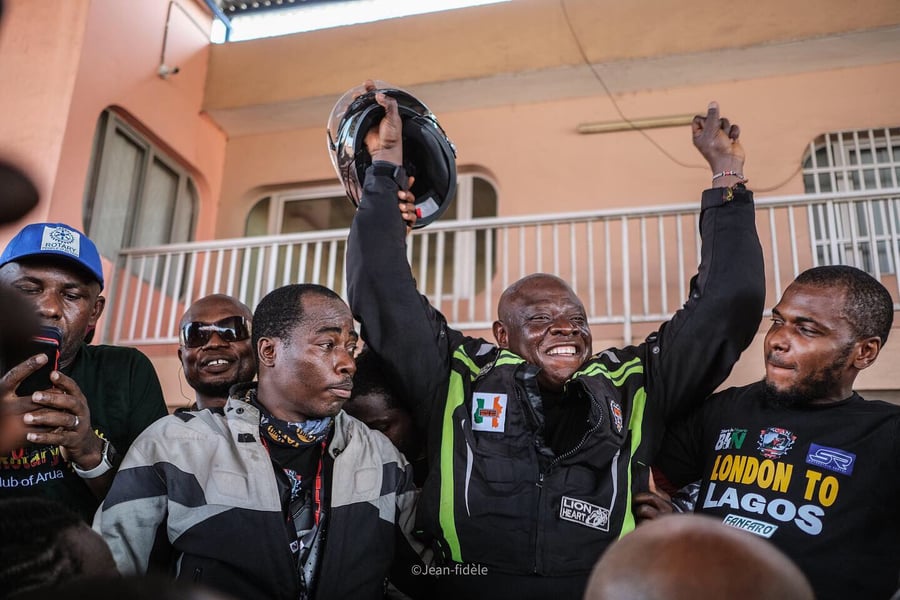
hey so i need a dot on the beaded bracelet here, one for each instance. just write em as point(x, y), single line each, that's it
point(727, 173)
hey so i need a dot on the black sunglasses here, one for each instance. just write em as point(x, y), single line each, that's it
point(229, 329)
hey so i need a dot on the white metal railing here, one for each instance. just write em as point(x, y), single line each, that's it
point(628, 266)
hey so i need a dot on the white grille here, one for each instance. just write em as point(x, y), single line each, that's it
point(855, 233)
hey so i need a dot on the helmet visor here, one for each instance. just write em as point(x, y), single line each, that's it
point(341, 106)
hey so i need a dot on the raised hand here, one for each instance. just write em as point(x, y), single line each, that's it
point(718, 141)
point(385, 141)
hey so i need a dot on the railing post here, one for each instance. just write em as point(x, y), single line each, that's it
point(111, 333)
point(626, 284)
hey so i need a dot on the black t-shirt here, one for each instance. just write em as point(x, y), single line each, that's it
point(124, 397)
point(821, 483)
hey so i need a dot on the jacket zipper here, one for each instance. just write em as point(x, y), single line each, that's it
point(553, 463)
point(584, 438)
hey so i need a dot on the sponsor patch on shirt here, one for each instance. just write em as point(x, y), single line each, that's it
point(489, 412)
point(616, 412)
point(774, 442)
point(833, 459)
point(731, 439)
point(760, 528)
point(584, 513)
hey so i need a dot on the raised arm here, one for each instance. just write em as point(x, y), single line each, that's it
point(398, 323)
point(700, 344)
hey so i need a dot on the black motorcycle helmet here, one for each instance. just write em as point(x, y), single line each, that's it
point(428, 155)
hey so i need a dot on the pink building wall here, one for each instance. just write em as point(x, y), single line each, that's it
point(63, 63)
point(542, 165)
point(40, 46)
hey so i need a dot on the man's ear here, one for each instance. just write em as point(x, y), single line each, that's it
point(500, 334)
point(866, 352)
point(267, 350)
point(181, 360)
point(96, 311)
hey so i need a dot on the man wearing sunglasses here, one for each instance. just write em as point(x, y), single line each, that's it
point(215, 349)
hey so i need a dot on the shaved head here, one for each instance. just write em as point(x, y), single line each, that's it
point(523, 290)
point(223, 301)
point(685, 557)
point(541, 319)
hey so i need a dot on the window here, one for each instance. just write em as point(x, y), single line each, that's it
point(136, 196)
point(315, 208)
point(861, 232)
point(327, 207)
point(299, 211)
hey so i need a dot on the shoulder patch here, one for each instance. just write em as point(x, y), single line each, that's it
point(616, 411)
point(489, 412)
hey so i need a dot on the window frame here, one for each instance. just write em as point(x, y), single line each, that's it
point(849, 232)
point(187, 195)
point(465, 280)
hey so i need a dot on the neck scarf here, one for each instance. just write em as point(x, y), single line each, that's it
point(305, 507)
point(294, 434)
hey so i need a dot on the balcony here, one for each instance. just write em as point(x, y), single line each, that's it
point(630, 267)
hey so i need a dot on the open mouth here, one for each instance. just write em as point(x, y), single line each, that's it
point(563, 351)
point(216, 365)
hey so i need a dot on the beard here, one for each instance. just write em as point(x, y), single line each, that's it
point(215, 389)
point(819, 384)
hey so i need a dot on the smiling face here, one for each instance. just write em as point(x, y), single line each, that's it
point(308, 373)
point(212, 368)
point(811, 354)
point(64, 297)
point(544, 322)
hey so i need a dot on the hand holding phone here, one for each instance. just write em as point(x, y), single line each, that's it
point(46, 342)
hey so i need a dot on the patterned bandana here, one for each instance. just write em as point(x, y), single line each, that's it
point(295, 435)
point(291, 434)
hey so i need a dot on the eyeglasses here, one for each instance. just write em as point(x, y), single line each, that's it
point(229, 329)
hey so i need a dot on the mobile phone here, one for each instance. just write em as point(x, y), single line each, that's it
point(47, 341)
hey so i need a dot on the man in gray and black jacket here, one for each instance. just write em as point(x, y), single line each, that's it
point(280, 495)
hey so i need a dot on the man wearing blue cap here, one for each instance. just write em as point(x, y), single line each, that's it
point(101, 397)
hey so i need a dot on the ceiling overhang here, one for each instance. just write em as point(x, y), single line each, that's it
point(628, 76)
